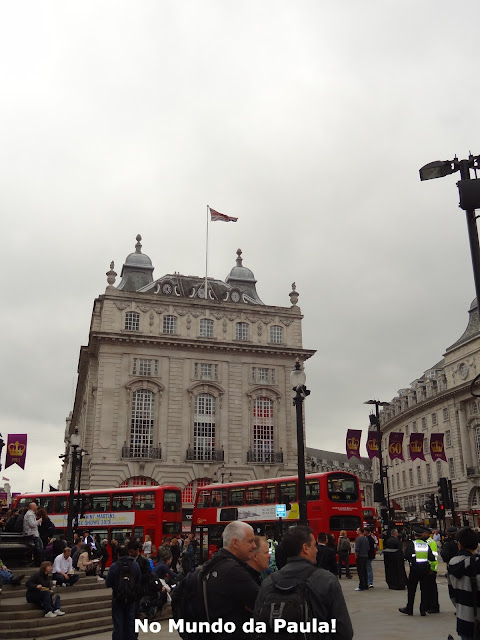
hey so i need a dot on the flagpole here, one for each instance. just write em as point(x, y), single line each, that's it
point(206, 260)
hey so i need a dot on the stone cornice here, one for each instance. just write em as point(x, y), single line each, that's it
point(168, 340)
point(439, 398)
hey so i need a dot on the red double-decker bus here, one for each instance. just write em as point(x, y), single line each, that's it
point(333, 504)
point(370, 520)
point(131, 512)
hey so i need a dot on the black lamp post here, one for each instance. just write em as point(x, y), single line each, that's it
point(469, 200)
point(375, 421)
point(74, 445)
point(297, 380)
point(223, 471)
point(2, 444)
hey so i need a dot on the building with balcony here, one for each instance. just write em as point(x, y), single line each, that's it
point(181, 387)
point(439, 401)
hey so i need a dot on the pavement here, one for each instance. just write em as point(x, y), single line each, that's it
point(374, 613)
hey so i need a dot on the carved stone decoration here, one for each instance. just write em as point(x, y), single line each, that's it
point(159, 310)
point(217, 315)
point(233, 316)
point(189, 323)
point(111, 275)
point(252, 319)
point(286, 321)
point(144, 307)
point(151, 319)
point(259, 329)
point(181, 312)
point(225, 326)
point(266, 320)
point(197, 314)
point(294, 295)
point(122, 305)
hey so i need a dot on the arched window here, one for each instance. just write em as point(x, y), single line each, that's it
point(204, 427)
point(188, 494)
point(263, 442)
point(276, 334)
point(132, 321)
point(241, 331)
point(141, 425)
point(139, 481)
point(206, 328)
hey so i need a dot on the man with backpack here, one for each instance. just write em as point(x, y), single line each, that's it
point(302, 593)
point(124, 577)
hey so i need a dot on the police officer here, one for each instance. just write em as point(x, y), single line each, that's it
point(419, 555)
point(434, 607)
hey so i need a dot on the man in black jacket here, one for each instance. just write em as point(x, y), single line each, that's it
point(450, 546)
point(124, 613)
point(326, 557)
point(231, 591)
point(325, 594)
point(39, 591)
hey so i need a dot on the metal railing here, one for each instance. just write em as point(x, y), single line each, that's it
point(154, 453)
point(208, 455)
point(473, 471)
point(265, 457)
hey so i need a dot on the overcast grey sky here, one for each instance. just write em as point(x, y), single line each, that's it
point(307, 120)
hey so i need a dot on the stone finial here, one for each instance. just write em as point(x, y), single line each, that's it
point(111, 275)
point(138, 246)
point(239, 258)
point(293, 295)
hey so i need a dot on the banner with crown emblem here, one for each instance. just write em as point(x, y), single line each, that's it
point(16, 450)
point(437, 449)
point(372, 445)
point(416, 446)
point(395, 445)
point(353, 443)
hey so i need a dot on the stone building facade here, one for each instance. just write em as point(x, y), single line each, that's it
point(440, 401)
point(176, 388)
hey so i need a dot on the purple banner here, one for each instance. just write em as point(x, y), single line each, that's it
point(372, 445)
point(395, 448)
point(16, 450)
point(437, 449)
point(353, 443)
point(416, 446)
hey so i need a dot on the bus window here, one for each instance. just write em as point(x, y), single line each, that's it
point(61, 504)
point(313, 489)
point(172, 527)
point(46, 502)
point(144, 501)
point(236, 496)
point(219, 497)
point(122, 502)
point(100, 503)
point(287, 491)
point(254, 495)
point(24, 502)
point(350, 523)
point(270, 495)
point(172, 501)
point(120, 533)
point(203, 499)
point(138, 533)
point(342, 488)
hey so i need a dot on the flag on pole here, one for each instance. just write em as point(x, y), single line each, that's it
point(215, 216)
point(7, 479)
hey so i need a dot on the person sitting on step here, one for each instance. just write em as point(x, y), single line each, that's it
point(39, 591)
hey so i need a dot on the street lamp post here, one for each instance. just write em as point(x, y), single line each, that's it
point(375, 421)
point(297, 380)
point(74, 444)
point(469, 200)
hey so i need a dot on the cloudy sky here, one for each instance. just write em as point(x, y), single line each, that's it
point(308, 120)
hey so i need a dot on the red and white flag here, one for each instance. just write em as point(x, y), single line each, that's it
point(215, 216)
point(7, 479)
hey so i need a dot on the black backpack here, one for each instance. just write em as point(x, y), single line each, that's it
point(127, 587)
point(286, 599)
point(189, 597)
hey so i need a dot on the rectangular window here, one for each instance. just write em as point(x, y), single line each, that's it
point(206, 371)
point(448, 438)
point(434, 419)
point(410, 477)
point(424, 424)
point(287, 491)
point(439, 469)
point(429, 474)
point(145, 367)
point(236, 497)
point(203, 499)
point(414, 426)
point(270, 495)
point(263, 375)
point(169, 324)
point(313, 489)
point(241, 331)
point(451, 468)
point(61, 504)
point(172, 500)
point(341, 488)
point(446, 415)
point(219, 497)
point(122, 502)
point(404, 479)
point(144, 501)
point(254, 495)
point(455, 497)
point(132, 321)
point(276, 334)
point(398, 481)
point(407, 430)
point(100, 503)
point(419, 476)
point(206, 328)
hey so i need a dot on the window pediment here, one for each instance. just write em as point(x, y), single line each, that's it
point(145, 383)
point(205, 386)
point(267, 391)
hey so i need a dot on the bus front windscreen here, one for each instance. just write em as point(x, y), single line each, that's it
point(342, 488)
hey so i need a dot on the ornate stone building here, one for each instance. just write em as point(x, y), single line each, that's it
point(440, 401)
point(173, 387)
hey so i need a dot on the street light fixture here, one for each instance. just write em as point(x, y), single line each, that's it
point(375, 421)
point(297, 381)
point(74, 444)
point(222, 471)
point(469, 200)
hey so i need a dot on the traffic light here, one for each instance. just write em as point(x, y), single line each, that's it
point(384, 516)
point(443, 493)
point(378, 492)
point(430, 506)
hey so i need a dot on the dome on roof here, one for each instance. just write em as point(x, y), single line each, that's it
point(239, 272)
point(138, 259)
point(474, 304)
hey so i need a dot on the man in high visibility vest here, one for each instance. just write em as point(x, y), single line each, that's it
point(434, 607)
point(419, 555)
